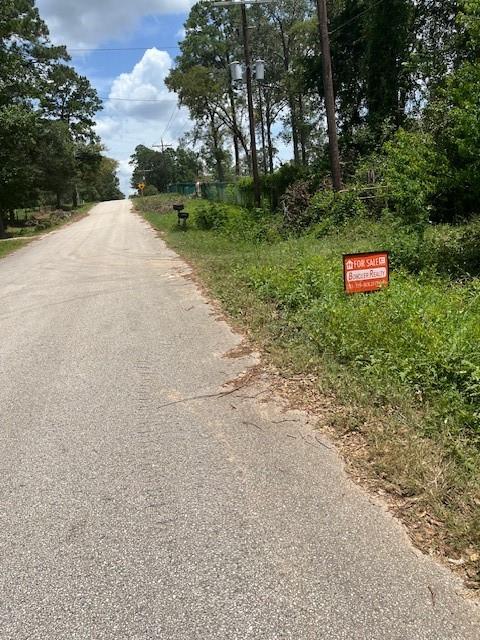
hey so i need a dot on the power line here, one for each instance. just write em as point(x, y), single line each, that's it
point(120, 49)
point(131, 100)
point(169, 121)
point(356, 17)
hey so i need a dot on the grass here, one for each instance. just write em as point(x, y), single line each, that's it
point(403, 364)
point(47, 223)
point(9, 246)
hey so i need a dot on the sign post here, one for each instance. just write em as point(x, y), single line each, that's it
point(366, 272)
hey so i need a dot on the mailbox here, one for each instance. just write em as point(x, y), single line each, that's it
point(182, 214)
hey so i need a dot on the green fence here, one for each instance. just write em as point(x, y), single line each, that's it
point(231, 193)
point(228, 192)
point(183, 188)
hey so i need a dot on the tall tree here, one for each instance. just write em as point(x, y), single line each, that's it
point(26, 54)
point(19, 128)
point(69, 97)
point(202, 78)
point(388, 29)
point(56, 159)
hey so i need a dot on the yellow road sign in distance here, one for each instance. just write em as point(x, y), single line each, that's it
point(141, 186)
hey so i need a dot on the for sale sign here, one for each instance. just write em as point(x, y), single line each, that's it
point(365, 272)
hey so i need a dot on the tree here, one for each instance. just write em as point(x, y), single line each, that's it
point(453, 117)
point(69, 97)
point(104, 185)
point(26, 54)
point(159, 169)
point(19, 128)
point(203, 81)
point(56, 164)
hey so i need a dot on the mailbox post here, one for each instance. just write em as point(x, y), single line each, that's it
point(182, 215)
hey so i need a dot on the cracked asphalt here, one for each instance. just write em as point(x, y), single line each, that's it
point(132, 509)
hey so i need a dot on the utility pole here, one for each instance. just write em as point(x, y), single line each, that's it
point(262, 125)
point(329, 94)
point(162, 146)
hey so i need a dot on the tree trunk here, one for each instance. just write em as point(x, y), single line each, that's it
point(303, 142)
point(235, 127)
point(236, 148)
point(262, 129)
point(217, 151)
point(2, 225)
point(291, 97)
point(293, 116)
point(268, 118)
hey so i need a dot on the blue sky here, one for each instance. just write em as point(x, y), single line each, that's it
point(138, 109)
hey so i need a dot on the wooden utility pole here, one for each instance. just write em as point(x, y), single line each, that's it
point(251, 110)
point(162, 146)
point(329, 94)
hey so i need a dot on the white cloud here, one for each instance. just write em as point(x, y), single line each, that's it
point(87, 23)
point(140, 110)
point(142, 92)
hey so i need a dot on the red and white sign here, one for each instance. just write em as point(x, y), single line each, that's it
point(365, 272)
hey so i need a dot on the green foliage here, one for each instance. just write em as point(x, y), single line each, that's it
point(331, 210)
point(404, 178)
point(19, 130)
point(236, 223)
point(453, 250)
point(281, 179)
point(417, 335)
point(210, 216)
point(99, 180)
point(46, 116)
point(56, 148)
point(70, 98)
point(388, 30)
point(150, 190)
point(410, 170)
point(161, 168)
point(26, 53)
point(454, 118)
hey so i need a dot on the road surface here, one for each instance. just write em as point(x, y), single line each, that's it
point(130, 510)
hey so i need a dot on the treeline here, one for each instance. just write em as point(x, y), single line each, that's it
point(407, 83)
point(49, 151)
point(158, 169)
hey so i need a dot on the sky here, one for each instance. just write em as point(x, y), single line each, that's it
point(126, 49)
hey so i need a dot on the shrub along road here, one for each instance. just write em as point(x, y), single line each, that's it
point(143, 498)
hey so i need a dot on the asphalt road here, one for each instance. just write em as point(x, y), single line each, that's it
point(129, 510)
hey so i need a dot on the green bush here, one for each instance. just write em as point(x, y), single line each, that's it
point(210, 216)
point(150, 190)
point(453, 250)
point(236, 223)
point(406, 177)
point(329, 209)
